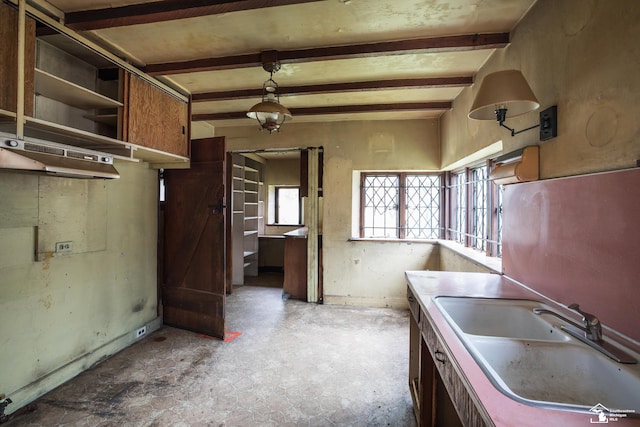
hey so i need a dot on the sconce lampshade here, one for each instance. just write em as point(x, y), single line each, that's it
point(506, 89)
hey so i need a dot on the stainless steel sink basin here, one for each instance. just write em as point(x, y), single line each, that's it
point(552, 374)
point(532, 360)
point(510, 318)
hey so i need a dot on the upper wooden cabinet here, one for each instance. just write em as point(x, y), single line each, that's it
point(77, 94)
point(9, 62)
point(156, 119)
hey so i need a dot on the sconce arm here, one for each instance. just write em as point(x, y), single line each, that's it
point(501, 115)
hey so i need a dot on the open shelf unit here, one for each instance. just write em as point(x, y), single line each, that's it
point(70, 93)
point(76, 95)
point(247, 216)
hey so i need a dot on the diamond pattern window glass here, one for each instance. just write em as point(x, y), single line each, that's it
point(400, 206)
point(422, 206)
point(499, 221)
point(474, 210)
point(381, 199)
point(478, 189)
point(458, 200)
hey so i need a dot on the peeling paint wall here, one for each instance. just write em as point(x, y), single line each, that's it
point(582, 55)
point(58, 307)
point(454, 261)
point(358, 273)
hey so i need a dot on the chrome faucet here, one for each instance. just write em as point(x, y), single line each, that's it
point(590, 333)
point(592, 326)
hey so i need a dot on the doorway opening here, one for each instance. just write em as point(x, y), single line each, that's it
point(269, 208)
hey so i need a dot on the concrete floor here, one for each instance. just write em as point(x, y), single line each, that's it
point(294, 364)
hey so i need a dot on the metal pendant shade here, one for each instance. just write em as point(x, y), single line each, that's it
point(503, 90)
point(270, 114)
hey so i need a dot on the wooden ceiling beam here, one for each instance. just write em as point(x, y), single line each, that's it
point(338, 88)
point(166, 10)
point(424, 45)
point(335, 109)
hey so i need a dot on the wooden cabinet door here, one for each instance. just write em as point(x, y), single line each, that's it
point(193, 289)
point(155, 119)
point(9, 60)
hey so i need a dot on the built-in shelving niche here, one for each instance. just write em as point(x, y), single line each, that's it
point(248, 216)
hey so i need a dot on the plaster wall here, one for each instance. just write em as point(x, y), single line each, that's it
point(581, 55)
point(357, 272)
point(450, 260)
point(63, 312)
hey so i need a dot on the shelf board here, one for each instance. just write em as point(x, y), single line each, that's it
point(5, 114)
point(249, 233)
point(107, 119)
point(249, 253)
point(62, 134)
point(248, 218)
point(159, 158)
point(54, 87)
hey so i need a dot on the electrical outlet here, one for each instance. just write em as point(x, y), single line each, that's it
point(64, 247)
point(140, 332)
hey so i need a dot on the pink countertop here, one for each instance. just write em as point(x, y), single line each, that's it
point(503, 410)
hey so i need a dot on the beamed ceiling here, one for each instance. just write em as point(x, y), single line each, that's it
point(341, 59)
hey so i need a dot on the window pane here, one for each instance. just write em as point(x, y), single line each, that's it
point(459, 208)
point(380, 204)
point(479, 215)
point(288, 207)
point(423, 206)
point(499, 219)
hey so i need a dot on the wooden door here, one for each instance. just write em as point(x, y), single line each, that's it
point(193, 292)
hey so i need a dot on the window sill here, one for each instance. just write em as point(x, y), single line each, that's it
point(492, 263)
point(357, 239)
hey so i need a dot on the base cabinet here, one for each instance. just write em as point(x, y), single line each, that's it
point(295, 267)
point(440, 396)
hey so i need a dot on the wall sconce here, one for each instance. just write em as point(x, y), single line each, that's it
point(507, 94)
point(269, 113)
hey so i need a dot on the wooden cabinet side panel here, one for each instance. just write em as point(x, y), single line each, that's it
point(295, 268)
point(9, 60)
point(465, 404)
point(156, 119)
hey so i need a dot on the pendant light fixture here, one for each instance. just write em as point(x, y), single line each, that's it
point(269, 113)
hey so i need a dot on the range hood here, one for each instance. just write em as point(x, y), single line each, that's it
point(55, 159)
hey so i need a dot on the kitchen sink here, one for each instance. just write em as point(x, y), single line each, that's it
point(532, 360)
point(509, 318)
